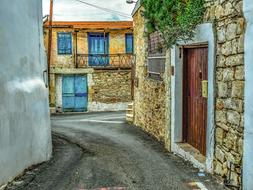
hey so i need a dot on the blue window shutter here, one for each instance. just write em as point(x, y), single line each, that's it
point(98, 45)
point(68, 44)
point(129, 43)
point(64, 43)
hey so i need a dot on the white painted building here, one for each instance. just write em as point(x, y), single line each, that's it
point(25, 134)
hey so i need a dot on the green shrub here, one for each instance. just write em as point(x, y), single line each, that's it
point(175, 19)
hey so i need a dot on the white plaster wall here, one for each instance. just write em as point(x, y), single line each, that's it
point(248, 125)
point(90, 80)
point(25, 135)
point(97, 106)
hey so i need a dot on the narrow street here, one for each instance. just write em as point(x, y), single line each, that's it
point(126, 95)
point(100, 150)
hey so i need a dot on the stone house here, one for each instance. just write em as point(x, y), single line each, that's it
point(204, 112)
point(25, 132)
point(90, 66)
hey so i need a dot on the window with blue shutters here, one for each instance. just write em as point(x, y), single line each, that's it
point(64, 41)
point(99, 49)
point(129, 43)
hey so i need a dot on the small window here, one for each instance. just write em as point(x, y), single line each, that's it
point(129, 43)
point(64, 43)
point(156, 67)
point(156, 56)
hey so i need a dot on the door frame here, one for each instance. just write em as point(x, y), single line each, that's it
point(204, 35)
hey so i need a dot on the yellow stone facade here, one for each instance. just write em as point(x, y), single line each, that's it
point(152, 103)
point(108, 89)
point(116, 44)
point(151, 98)
point(229, 117)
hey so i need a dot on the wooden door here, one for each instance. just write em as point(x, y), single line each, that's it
point(74, 93)
point(68, 93)
point(81, 93)
point(195, 70)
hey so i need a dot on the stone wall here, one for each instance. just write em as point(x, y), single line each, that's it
point(65, 64)
point(108, 90)
point(150, 110)
point(111, 86)
point(151, 97)
point(230, 24)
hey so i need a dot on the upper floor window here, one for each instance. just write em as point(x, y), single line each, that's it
point(64, 41)
point(98, 49)
point(129, 43)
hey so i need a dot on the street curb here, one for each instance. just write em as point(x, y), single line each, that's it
point(84, 113)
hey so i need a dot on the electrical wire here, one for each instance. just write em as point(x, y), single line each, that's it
point(103, 8)
point(106, 9)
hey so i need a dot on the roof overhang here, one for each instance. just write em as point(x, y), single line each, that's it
point(137, 6)
point(92, 24)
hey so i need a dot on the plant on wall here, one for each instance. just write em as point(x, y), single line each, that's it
point(175, 19)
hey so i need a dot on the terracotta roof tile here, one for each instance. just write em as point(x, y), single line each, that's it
point(93, 24)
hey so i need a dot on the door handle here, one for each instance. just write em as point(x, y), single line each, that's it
point(204, 88)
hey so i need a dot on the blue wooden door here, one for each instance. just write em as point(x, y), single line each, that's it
point(98, 49)
point(81, 94)
point(74, 93)
point(68, 93)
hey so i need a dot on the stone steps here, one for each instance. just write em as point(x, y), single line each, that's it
point(130, 106)
point(129, 113)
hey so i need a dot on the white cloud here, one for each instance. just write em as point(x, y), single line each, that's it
point(72, 10)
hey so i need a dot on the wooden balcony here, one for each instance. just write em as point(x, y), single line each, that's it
point(105, 61)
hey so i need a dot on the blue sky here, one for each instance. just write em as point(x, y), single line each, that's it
point(71, 10)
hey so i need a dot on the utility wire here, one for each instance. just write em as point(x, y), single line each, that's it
point(106, 9)
point(103, 8)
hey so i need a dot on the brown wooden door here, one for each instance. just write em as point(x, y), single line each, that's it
point(194, 104)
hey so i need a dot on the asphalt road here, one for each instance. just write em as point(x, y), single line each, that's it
point(100, 150)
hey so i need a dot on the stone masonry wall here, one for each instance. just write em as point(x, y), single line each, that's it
point(150, 95)
point(228, 17)
point(117, 46)
point(111, 86)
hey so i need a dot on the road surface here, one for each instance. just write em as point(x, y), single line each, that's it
point(100, 150)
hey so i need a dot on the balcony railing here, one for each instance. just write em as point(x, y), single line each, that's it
point(105, 60)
